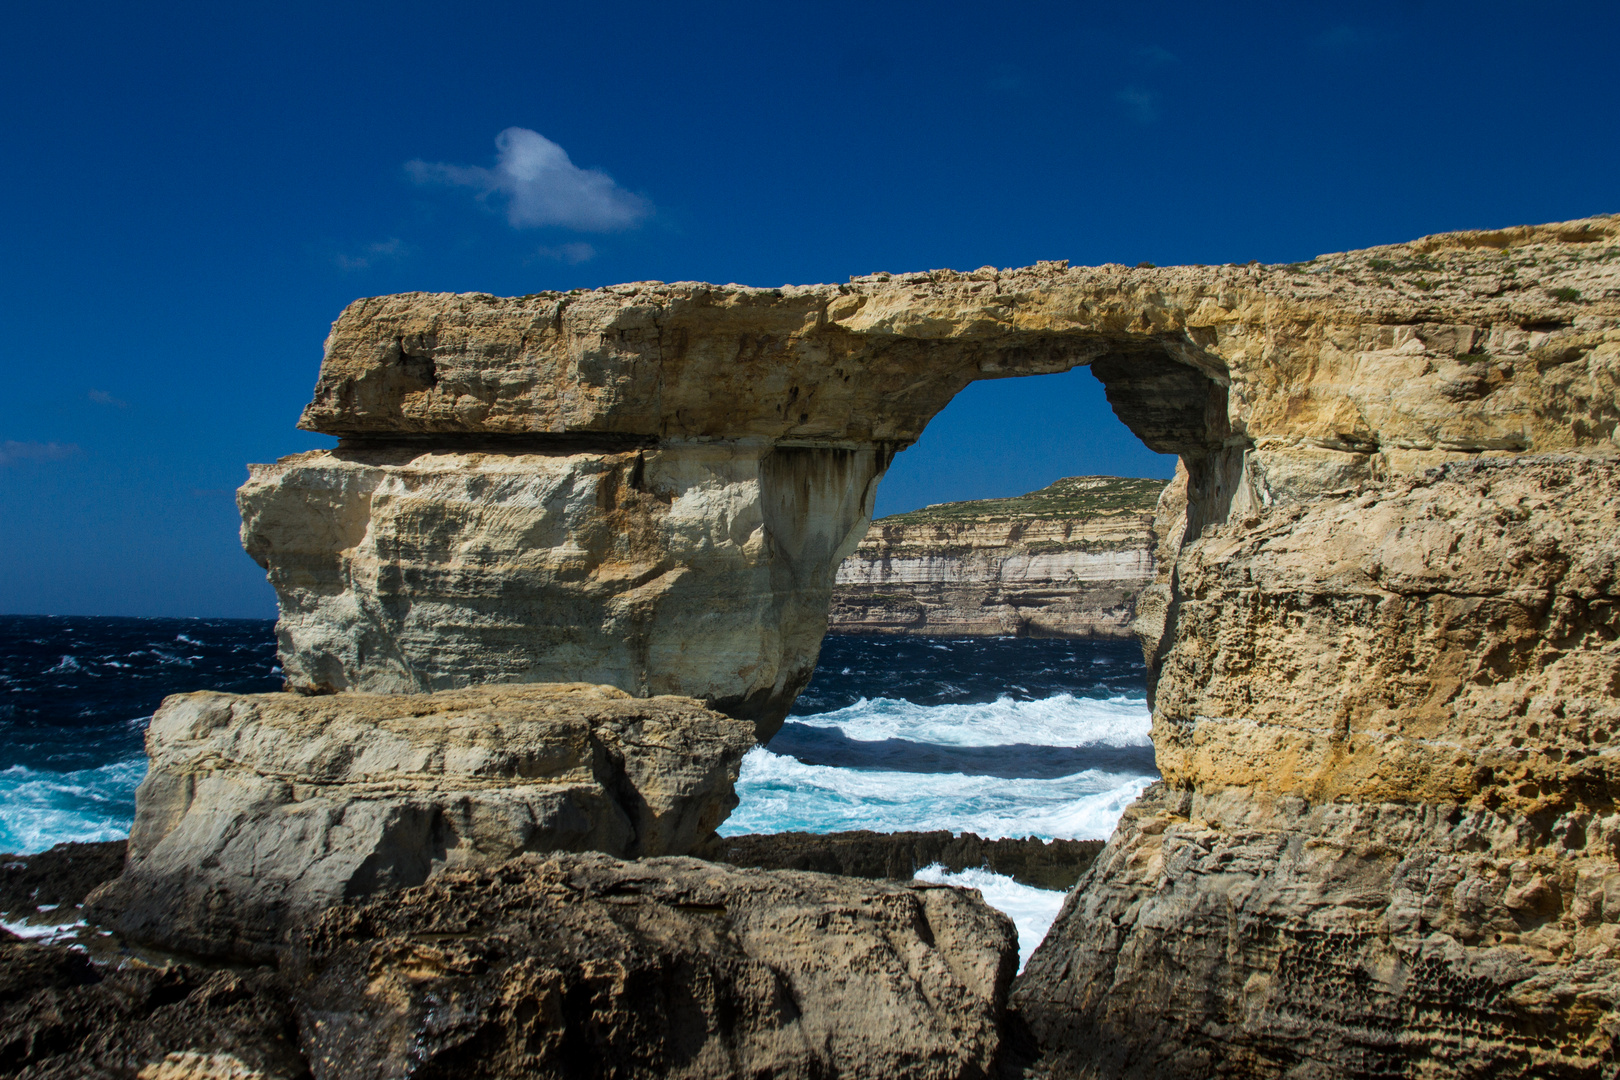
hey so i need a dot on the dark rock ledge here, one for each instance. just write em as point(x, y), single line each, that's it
point(1043, 864)
point(575, 965)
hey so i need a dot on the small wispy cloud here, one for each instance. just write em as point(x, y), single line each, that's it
point(572, 254)
point(1155, 54)
point(101, 397)
point(1141, 105)
point(542, 186)
point(13, 452)
point(371, 254)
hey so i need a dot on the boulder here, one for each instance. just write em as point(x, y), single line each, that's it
point(583, 965)
point(262, 809)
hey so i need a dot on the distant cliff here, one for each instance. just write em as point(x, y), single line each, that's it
point(1065, 561)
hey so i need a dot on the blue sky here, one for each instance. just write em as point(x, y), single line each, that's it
point(193, 194)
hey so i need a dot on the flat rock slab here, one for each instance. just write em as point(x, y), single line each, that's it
point(1042, 864)
point(262, 809)
point(583, 965)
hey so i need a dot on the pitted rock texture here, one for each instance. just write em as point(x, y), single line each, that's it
point(1445, 639)
point(578, 966)
point(261, 809)
point(669, 968)
point(63, 1015)
point(1333, 634)
point(1263, 936)
point(1458, 342)
point(1389, 728)
point(1065, 561)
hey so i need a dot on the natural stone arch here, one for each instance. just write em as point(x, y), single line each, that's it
point(678, 469)
point(1383, 634)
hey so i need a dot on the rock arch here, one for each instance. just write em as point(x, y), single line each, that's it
point(652, 485)
point(1385, 620)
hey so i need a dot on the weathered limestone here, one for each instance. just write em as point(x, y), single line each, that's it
point(651, 485)
point(1386, 840)
point(540, 488)
point(1065, 561)
point(585, 965)
point(702, 570)
point(261, 809)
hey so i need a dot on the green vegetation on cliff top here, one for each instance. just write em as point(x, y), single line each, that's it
point(1071, 497)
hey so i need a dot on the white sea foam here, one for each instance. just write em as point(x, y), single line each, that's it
point(1059, 720)
point(781, 794)
point(39, 809)
point(53, 934)
point(1032, 910)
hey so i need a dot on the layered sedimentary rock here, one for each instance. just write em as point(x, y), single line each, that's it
point(1065, 561)
point(260, 810)
point(541, 488)
point(1386, 840)
point(585, 965)
point(701, 570)
point(1343, 648)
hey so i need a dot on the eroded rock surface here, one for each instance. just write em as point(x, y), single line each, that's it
point(62, 1015)
point(260, 810)
point(1386, 842)
point(1065, 561)
point(587, 966)
point(555, 487)
point(696, 570)
point(556, 966)
point(1347, 654)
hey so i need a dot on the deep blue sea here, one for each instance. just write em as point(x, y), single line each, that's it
point(998, 736)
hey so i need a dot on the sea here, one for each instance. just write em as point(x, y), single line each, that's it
point(997, 736)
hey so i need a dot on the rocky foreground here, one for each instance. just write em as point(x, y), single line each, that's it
point(560, 966)
point(1066, 561)
point(1383, 644)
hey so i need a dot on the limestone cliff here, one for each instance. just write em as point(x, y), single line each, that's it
point(1065, 561)
point(1384, 695)
point(651, 485)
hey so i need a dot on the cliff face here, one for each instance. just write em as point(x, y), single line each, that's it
point(1384, 695)
point(1386, 838)
point(1065, 561)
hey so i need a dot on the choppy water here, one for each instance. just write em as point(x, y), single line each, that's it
point(75, 697)
point(1000, 737)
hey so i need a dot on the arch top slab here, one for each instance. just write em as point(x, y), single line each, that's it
point(1355, 352)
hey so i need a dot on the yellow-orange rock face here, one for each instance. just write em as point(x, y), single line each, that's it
point(1384, 696)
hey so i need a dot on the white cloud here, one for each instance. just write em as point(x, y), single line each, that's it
point(101, 397)
point(11, 452)
point(542, 186)
point(1143, 105)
